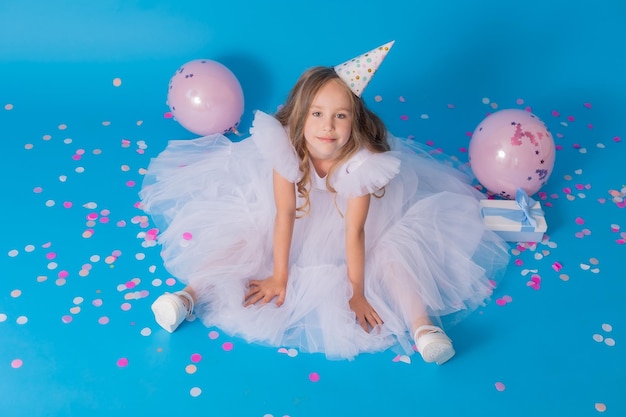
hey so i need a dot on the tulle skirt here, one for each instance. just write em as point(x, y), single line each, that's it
point(427, 251)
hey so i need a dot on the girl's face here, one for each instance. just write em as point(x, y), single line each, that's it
point(328, 124)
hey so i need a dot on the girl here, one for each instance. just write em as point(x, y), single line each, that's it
point(320, 231)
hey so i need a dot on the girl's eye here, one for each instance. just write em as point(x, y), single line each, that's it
point(340, 116)
point(316, 114)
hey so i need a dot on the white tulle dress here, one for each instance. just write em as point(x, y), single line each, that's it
point(426, 246)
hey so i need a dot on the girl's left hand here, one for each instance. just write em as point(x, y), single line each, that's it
point(265, 290)
point(365, 313)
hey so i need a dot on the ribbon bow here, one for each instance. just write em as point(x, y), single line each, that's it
point(526, 203)
point(525, 213)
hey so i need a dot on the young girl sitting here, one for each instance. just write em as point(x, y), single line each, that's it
point(321, 231)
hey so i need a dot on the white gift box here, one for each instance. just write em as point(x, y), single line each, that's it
point(514, 222)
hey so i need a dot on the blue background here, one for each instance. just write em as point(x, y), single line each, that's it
point(453, 62)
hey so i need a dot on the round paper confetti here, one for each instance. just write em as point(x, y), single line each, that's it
point(195, 392)
point(314, 377)
point(16, 363)
point(500, 386)
point(122, 362)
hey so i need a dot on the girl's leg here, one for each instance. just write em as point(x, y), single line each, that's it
point(431, 342)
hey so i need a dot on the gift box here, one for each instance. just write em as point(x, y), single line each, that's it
point(519, 220)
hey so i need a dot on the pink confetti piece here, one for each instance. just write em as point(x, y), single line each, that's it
point(122, 362)
point(571, 118)
point(500, 386)
point(66, 319)
point(16, 363)
point(213, 335)
point(617, 139)
point(587, 105)
point(557, 266)
point(168, 115)
point(555, 113)
point(519, 262)
point(314, 377)
point(187, 236)
point(404, 117)
point(227, 346)
point(196, 357)
point(580, 221)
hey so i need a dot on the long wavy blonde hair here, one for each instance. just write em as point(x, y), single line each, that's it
point(368, 130)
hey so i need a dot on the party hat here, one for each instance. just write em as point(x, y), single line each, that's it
point(358, 71)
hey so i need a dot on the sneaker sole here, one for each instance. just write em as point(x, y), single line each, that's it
point(438, 352)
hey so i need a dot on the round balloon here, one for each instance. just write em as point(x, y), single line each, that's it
point(512, 149)
point(205, 97)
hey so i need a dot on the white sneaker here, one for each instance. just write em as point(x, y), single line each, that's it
point(433, 345)
point(170, 310)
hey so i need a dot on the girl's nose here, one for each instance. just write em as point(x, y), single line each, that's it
point(329, 124)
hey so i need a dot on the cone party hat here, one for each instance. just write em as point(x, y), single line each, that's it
point(358, 72)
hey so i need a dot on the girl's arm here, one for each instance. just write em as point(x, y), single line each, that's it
point(356, 214)
point(276, 285)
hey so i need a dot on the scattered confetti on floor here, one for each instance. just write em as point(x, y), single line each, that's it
point(80, 266)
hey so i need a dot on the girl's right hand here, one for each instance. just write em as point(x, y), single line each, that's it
point(264, 290)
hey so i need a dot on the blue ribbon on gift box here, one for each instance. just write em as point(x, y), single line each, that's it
point(523, 213)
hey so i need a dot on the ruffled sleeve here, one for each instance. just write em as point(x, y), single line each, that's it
point(365, 173)
point(273, 143)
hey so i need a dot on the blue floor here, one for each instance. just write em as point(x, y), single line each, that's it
point(82, 111)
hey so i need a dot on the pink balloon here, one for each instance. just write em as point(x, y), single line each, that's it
point(512, 149)
point(205, 97)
